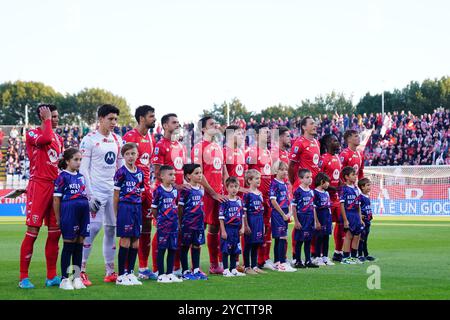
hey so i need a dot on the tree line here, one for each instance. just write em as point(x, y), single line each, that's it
point(419, 98)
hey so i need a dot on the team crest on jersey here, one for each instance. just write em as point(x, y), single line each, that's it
point(139, 177)
point(31, 134)
point(356, 167)
point(52, 155)
point(217, 163)
point(35, 218)
point(267, 169)
point(295, 149)
point(239, 170)
point(316, 159)
point(110, 157)
point(196, 151)
point(336, 174)
point(145, 158)
point(156, 150)
point(178, 163)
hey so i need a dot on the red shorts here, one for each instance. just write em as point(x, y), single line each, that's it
point(335, 210)
point(211, 208)
point(40, 204)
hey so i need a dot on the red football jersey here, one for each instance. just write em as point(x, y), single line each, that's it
point(279, 154)
point(145, 148)
point(332, 167)
point(355, 159)
point(235, 162)
point(306, 154)
point(261, 160)
point(170, 153)
point(44, 148)
point(210, 156)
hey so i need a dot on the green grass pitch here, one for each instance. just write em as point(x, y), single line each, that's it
point(412, 254)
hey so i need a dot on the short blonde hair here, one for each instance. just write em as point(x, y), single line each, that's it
point(278, 165)
point(250, 174)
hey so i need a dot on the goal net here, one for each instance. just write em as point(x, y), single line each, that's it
point(410, 190)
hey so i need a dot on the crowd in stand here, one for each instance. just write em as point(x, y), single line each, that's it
point(401, 139)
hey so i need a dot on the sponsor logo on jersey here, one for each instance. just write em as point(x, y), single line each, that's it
point(295, 149)
point(316, 158)
point(336, 174)
point(178, 163)
point(239, 169)
point(52, 155)
point(217, 163)
point(110, 157)
point(145, 158)
point(156, 150)
point(31, 134)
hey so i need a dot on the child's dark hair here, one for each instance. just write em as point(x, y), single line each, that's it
point(302, 173)
point(128, 146)
point(321, 178)
point(363, 182)
point(67, 156)
point(347, 171)
point(189, 168)
point(165, 168)
point(231, 180)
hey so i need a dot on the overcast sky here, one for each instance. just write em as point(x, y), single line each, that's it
point(184, 56)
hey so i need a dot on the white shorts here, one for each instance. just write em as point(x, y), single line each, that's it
point(106, 213)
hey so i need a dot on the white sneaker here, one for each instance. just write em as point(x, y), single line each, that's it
point(327, 261)
point(66, 284)
point(174, 278)
point(164, 279)
point(292, 262)
point(78, 284)
point(134, 281)
point(227, 273)
point(269, 265)
point(319, 262)
point(178, 273)
point(123, 280)
point(287, 267)
point(237, 273)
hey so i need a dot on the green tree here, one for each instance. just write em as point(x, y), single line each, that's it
point(88, 100)
point(237, 110)
point(14, 96)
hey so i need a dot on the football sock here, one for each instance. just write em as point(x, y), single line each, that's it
point(176, 258)
point(298, 251)
point(325, 245)
point(293, 243)
point(276, 250)
point(211, 241)
point(77, 255)
point(195, 258)
point(232, 261)
point(154, 249)
point(218, 249)
point(318, 246)
point(26, 252)
point(246, 255)
point(132, 255)
point(144, 250)
point(123, 256)
point(225, 261)
point(282, 250)
point(109, 248)
point(66, 255)
point(339, 235)
point(346, 254)
point(307, 249)
point(160, 261)
point(261, 254)
point(184, 258)
point(312, 248)
point(94, 228)
point(170, 260)
point(51, 252)
point(254, 254)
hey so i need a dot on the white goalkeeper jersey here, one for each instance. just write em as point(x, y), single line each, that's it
point(101, 159)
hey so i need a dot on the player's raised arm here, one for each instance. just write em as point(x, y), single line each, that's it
point(85, 168)
point(44, 138)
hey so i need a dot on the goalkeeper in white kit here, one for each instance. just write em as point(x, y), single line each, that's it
point(101, 159)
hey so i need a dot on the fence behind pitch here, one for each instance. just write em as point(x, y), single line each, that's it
point(410, 190)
